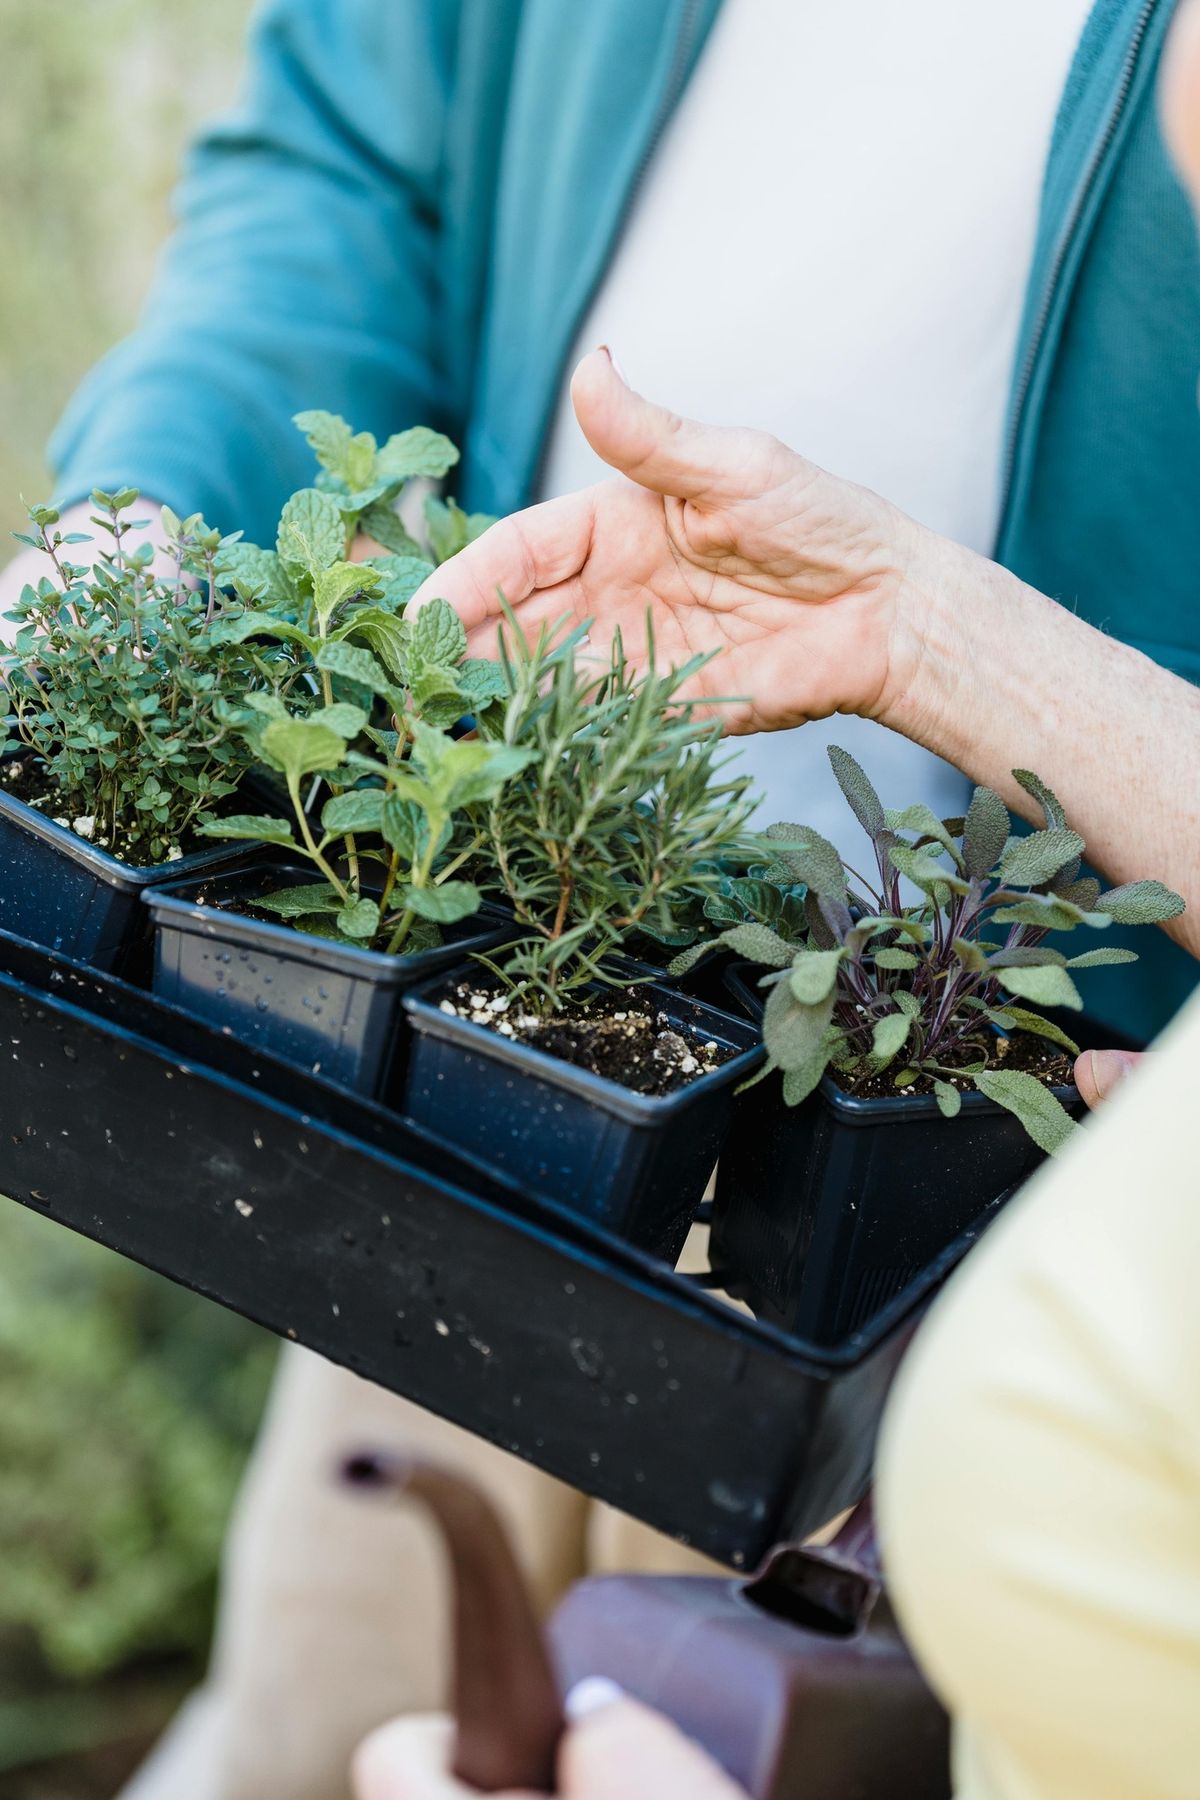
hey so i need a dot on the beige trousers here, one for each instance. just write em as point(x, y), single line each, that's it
point(334, 1608)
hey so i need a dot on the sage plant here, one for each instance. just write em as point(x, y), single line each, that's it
point(884, 990)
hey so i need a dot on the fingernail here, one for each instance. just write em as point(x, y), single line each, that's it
point(591, 1695)
point(612, 357)
point(1109, 1068)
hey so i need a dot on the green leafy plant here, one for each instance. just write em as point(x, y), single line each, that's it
point(371, 699)
point(932, 992)
point(120, 683)
point(126, 1411)
point(619, 816)
point(358, 488)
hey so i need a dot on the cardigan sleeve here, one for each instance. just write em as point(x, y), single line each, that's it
point(303, 273)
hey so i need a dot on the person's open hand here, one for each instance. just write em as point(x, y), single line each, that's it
point(732, 541)
point(620, 1752)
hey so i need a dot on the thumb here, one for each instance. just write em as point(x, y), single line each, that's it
point(626, 1752)
point(659, 449)
point(1097, 1073)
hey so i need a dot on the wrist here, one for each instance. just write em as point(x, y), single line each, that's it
point(935, 590)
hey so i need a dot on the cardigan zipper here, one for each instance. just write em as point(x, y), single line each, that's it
point(673, 89)
point(1079, 199)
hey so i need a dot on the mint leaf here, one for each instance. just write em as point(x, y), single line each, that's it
point(381, 522)
point(446, 904)
point(252, 826)
point(417, 451)
point(340, 658)
point(305, 897)
point(359, 810)
point(438, 634)
point(311, 534)
point(348, 456)
point(359, 920)
point(299, 747)
point(337, 583)
point(402, 576)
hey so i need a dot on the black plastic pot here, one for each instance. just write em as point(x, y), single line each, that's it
point(635, 1164)
point(58, 890)
point(329, 1007)
point(704, 981)
point(824, 1211)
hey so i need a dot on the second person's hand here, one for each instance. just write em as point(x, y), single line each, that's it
point(732, 541)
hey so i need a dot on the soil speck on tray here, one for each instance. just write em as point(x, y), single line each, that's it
point(624, 1036)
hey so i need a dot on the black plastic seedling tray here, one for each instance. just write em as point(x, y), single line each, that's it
point(335, 1224)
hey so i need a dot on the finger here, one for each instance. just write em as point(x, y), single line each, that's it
point(1098, 1072)
point(659, 449)
point(409, 1759)
point(542, 547)
point(626, 1752)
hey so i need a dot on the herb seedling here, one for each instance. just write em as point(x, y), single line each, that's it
point(119, 684)
point(375, 697)
point(620, 814)
point(927, 994)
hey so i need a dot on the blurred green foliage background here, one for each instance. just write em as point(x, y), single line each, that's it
point(126, 1407)
point(100, 96)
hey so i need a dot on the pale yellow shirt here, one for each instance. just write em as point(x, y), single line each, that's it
point(1039, 1483)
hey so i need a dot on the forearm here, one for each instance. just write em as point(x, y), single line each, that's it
point(1007, 678)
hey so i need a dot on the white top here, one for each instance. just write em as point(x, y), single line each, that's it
point(832, 243)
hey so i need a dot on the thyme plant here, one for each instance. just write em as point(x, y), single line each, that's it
point(883, 990)
point(119, 685)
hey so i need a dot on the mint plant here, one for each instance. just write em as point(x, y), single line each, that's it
point(929, 993)
point(358, 488)
point(401, 819)
point(371, 698)
point(120, 684)
point(619, 814)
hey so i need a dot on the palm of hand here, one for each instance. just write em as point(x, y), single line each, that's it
point(715, 583)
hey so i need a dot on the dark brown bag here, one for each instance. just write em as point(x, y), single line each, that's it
point(796, 1681)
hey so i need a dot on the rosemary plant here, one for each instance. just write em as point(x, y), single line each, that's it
point(620, 814)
